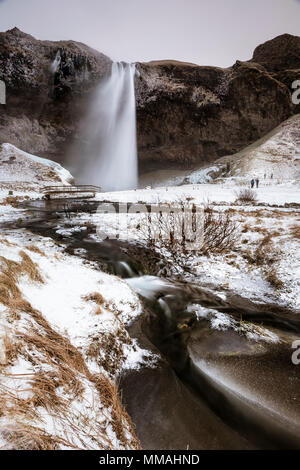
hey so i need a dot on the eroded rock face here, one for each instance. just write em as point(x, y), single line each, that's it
point(188, 114)
point(44, 100)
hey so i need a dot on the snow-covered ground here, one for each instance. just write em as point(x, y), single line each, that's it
point(270, 215)
point(273, 159)
point(77, 305)
point(275, 194)
point(17, 166)
point(83, 312)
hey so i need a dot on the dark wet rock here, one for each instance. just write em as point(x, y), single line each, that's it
point(44, 106)
point(188, 114)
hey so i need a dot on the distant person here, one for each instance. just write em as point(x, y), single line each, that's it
point(271, 176)
point(257, 182)
point(265, 175)
point(252, 183)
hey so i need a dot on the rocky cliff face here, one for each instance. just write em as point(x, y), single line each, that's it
point(45, 97)
point(188, 114)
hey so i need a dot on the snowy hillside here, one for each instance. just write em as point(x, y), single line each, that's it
point(17, 166)
point(273, 158)
point(62, 345)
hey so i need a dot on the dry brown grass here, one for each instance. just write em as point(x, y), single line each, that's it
point(11, 200)
point(10, 294)
point(11, 349)
point(98, 299)
point(7, 242)
point(67, 369)
point(35, 249)
point(30, 268)
point(110, 396)
point(98, 311)
point(15, 269)
point(108, 350)
point(272, 277)
point(266, 253)
point(42, 346)
point(95, 297)
point(295, 231)
point(21, 436)
point(246, 228)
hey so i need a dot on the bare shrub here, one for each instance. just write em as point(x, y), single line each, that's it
point(220, 230)
point(245, 195)
point(219, 233)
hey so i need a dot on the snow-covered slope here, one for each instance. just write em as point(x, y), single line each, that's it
point(17, 166)
point(278, 153)
point(274, 157)
point(62, 344)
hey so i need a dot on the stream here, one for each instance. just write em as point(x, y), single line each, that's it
point(213, 389)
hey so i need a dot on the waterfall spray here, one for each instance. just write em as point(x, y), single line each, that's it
point(110, 158)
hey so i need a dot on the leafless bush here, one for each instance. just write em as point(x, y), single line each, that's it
point(245, 195)
point(220, 230)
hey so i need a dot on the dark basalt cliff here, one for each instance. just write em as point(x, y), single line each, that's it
point(43, 108)
point(186, 114)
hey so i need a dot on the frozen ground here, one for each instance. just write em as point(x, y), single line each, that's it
point(271, 216)
point(275, 194)
point(85, 311)
point(82, 307)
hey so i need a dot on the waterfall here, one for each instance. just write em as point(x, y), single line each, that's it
point(110, 151)
point(56, 63)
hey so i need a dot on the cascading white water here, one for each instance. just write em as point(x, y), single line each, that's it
point(56, 63)
point(110, 159)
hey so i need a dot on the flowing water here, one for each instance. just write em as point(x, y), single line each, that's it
point(56, 63)
point(213, 389)
point(109, 157)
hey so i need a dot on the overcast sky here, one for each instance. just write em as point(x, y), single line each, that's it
point(206, 32)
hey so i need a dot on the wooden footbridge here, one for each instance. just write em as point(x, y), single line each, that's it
point(76, 191)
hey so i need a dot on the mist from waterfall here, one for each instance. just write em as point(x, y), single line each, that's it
point(110, 150)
